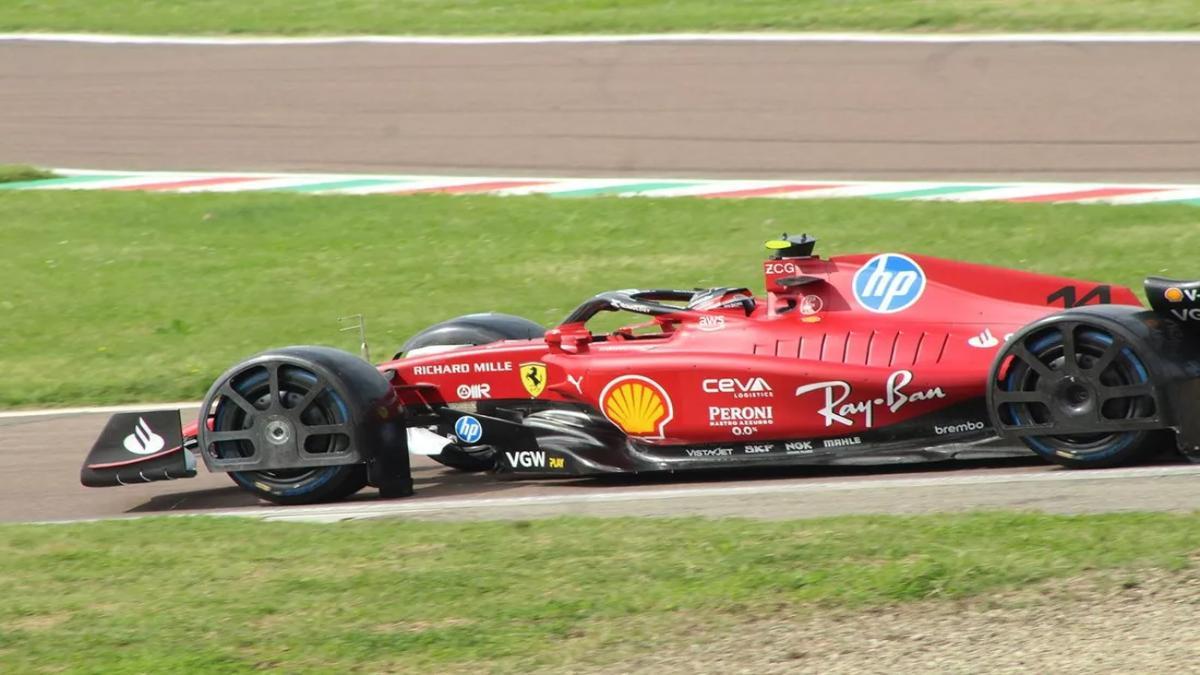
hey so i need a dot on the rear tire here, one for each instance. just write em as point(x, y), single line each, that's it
point(1100, 363)
point(472, 330)
point(464, 331)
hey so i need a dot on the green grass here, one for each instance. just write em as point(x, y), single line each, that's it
point(191, 595)
point(119, 297)
point(485, 17)
point(16, 173)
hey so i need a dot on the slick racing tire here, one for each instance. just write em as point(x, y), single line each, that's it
point(1091, 450)
point(292, 486)
point(470, 330)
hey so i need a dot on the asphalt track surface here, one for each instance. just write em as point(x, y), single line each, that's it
point(1019, 111)
point(1096, 112)
point(40, 459)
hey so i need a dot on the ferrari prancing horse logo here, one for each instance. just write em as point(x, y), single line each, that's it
point(533, 377)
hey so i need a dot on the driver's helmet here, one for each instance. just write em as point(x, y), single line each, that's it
point(722, 298)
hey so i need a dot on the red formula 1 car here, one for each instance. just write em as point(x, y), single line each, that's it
point(855, 359)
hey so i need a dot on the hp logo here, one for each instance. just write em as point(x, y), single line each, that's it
point(468, 429)
point(889, 283)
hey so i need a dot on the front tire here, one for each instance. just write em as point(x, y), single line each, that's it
point(291, 486)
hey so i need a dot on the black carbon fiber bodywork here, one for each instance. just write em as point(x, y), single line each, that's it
point(577, 441)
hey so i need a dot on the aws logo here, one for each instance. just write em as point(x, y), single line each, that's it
point(638, 405)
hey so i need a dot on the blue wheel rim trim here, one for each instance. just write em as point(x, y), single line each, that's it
point(1049, 340)
point(247, 478)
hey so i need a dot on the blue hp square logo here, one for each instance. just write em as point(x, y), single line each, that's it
point(889, 282)
point(468, 429)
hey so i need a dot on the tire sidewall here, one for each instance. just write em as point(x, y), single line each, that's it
point(1134, 446)
point(326, 484)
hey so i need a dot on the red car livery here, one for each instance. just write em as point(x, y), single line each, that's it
point(871, 358)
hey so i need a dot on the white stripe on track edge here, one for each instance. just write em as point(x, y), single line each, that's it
point(96, 410)
point(602, 181)
point(365, 511)
point(817, 37)
point(369, 510)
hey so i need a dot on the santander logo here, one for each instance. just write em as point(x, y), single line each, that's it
point(143, 440)
point(987, 339)
point(984, 340)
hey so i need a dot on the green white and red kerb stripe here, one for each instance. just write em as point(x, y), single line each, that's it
point(357, 184)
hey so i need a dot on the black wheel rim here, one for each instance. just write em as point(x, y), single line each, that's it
point(1071, 372)
point(284, 399)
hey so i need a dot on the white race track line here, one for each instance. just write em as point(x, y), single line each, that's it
point(356, 511)
point(920, 38)
point(96, 410)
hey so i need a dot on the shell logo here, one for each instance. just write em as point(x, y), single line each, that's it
point(1173, 294)
point(638, 405)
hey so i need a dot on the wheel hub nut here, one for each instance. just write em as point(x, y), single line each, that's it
point(278, 431)
point(1075, 396)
